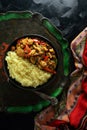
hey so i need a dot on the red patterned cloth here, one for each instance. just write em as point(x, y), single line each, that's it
point(74, 116)
point(85, 54)
point(79, 112)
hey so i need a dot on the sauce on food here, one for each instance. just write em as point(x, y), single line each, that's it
point(38, 52)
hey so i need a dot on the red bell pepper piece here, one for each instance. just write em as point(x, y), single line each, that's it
point(49, 70)
point(27, 49)
point(46, 58)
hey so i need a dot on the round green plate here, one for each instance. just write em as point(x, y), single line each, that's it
point(17, 24)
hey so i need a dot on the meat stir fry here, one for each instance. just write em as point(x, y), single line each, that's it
point(38, 52)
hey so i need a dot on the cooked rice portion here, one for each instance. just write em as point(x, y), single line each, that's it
point(25, 72)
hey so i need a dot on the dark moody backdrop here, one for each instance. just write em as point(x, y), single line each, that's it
point(70, 16)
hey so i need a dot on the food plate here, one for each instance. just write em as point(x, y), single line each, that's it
point(17, 24)
point(35, 59)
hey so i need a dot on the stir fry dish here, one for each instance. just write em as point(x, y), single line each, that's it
point(38, 52)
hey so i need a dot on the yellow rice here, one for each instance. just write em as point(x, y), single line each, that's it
point(25, 72)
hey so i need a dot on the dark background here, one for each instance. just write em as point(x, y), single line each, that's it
point(70, 16)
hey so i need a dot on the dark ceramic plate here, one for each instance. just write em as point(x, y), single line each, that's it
point(53, 78)
point(14, 25)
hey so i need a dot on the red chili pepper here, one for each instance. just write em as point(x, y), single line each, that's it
point(46, 58)
point(49, 70)
point(27, 49)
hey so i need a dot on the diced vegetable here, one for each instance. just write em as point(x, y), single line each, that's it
point(49, 70)
point(38, 52)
